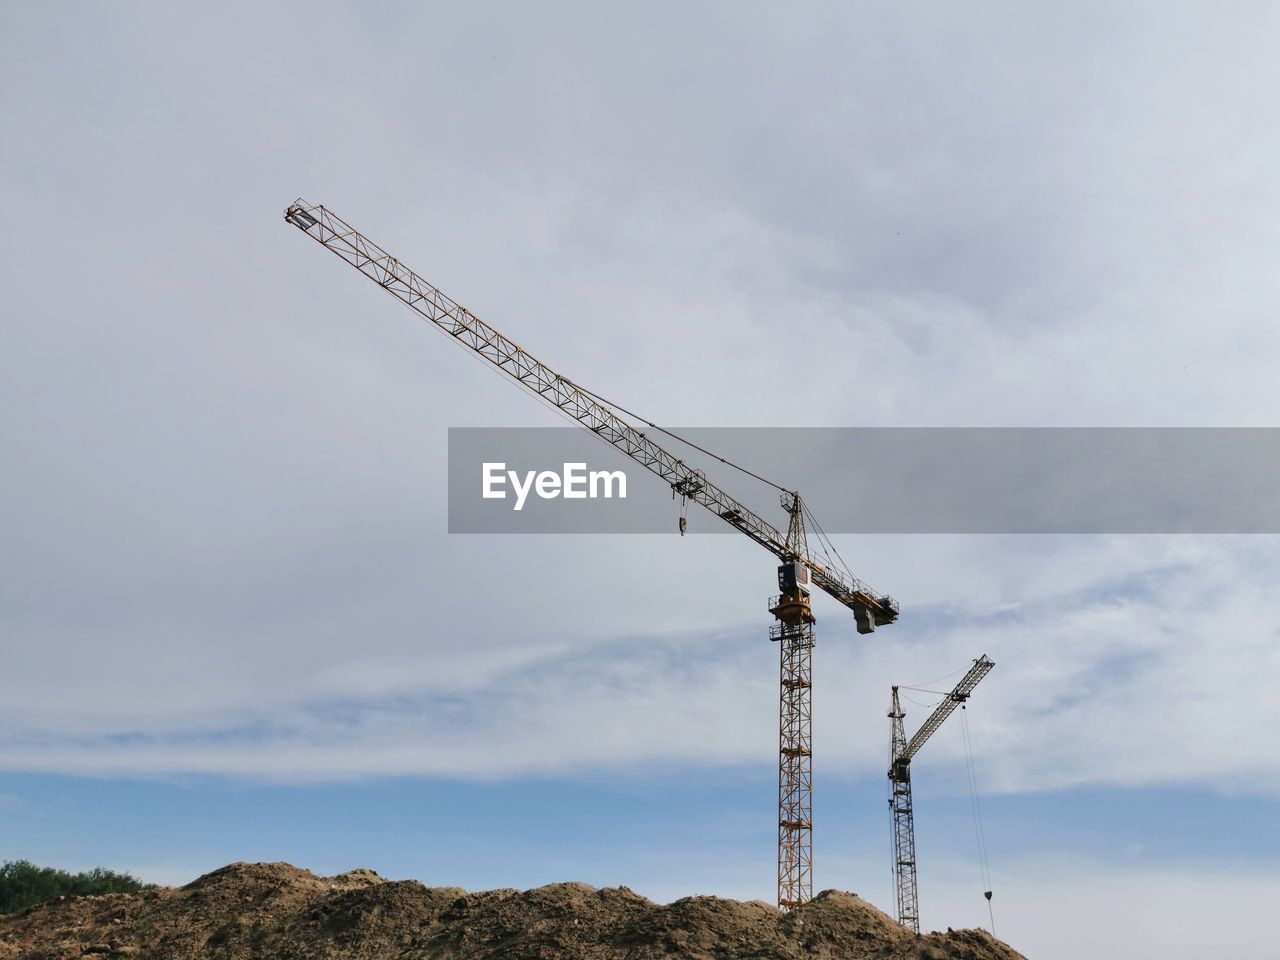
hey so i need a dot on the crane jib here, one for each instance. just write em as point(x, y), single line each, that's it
point(870, 609)
point(981, 667)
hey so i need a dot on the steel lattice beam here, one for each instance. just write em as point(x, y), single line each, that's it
point(870, 608)
point(981, 667)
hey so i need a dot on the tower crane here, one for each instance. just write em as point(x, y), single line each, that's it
point(901, 752)
point(799, 569)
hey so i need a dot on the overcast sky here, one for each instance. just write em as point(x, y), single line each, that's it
point(224, 571)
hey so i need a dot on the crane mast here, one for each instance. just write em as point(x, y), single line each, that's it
point(901, 752)
point(794, 633)
point(791, 608)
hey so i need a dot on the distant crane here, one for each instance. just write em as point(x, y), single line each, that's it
point(901, 753)
point(799, 568)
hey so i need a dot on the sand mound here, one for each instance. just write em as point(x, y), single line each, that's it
point(275, 911)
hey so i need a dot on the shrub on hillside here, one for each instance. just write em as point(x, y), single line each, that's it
point(23, 884)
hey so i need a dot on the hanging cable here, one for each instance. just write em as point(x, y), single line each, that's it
point(831, 553)
point(929, 683)
point(919, 703)
point(675, 436)
point(976, 803)
point(823, 538)
point(940, 693)
point(614, 408)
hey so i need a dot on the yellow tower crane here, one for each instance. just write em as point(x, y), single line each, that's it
point(791, 607)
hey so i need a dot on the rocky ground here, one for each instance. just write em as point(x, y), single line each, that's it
point(274, 911)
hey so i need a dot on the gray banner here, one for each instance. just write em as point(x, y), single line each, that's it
point(881, 480)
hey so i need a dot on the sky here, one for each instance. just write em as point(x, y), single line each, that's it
point(233, 625)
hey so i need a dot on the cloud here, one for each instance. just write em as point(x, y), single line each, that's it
point(223, 497)
point(1092, 682)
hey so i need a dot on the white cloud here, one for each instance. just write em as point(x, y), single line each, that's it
point(222, 499)
point(1092, 682)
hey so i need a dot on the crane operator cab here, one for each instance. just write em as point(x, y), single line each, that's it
point(793, 577)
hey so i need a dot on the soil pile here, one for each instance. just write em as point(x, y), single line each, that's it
point(274, 911)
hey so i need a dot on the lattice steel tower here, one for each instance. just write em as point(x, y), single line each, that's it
point(794, 633)
point(904, 830)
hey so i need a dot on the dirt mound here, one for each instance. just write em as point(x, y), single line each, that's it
point(275, 911)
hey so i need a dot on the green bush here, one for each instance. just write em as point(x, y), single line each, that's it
point(23, 884)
